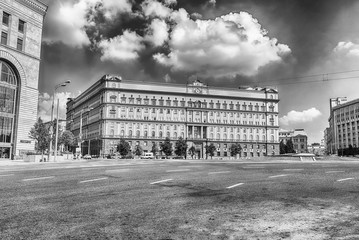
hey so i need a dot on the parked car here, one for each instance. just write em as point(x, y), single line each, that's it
point(147, 156)
point(87, 156)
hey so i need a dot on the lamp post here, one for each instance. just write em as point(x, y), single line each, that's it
point(80, 135)
point(52, 117)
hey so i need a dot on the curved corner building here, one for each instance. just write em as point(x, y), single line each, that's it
point(20, 46)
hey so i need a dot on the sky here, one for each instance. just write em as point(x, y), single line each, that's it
point(308, 50)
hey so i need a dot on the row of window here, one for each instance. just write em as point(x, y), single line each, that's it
point(5, 35)
point(6, 22)
point(192, 104)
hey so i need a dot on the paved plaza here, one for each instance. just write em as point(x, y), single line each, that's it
point(178, 199)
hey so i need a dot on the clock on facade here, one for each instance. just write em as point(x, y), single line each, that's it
point(197, 90)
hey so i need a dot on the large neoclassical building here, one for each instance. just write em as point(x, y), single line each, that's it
point(145, 113)
point(21, 34)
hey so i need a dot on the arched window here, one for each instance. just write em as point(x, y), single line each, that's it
point(218, 136)
point(231, 137)
point(130, 133)
point(137, 133)
point(112, 132)
point(8, 91)
point(238, 137)
point(245, 137)
point(145, 134)
point(168, 134)
point(211, 135)
point(122, 133)
point(175, 135)
point(225, 136)
point(153, 134)
point(160, 135)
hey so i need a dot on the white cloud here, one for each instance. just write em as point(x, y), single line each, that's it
point(347, 49)
point(158, 32)
point(71, 20)
point(226, 46)
point(170, 2)
point(212, 2)
point(45, 103)
point(121, 48)
point(155, 9)
point(294, 117)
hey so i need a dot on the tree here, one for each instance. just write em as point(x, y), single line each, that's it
point(289, 147)
point(123, 148)
point(235, 149)
point(166, 147)
point(192, 151)
point(180, 147)
point(154, 149)
point(210, 149)
point(138, 150)
point(41, 135)
point(67, 138)
point(282, 147)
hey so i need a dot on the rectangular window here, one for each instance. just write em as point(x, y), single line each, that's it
point(5, 19)
point(3, 38)
point(21, 26)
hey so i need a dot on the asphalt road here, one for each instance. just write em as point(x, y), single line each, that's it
point(180, 200)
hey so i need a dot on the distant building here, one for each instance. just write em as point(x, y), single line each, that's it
point(20, 46)
point(343, 125)
point(145, 113)
point(299, 138)
point(316, 148)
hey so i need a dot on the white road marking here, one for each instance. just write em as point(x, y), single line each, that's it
point(252, 167)
point(7, 175)
point(118, 170)
point(179, 170)
point(219, 172)
point(165, 180)
point(34, 179)
point(276, 176)
point(93, 180)
point(235, 185)
point(334, 171)
point(293, 169)
point(344, 179)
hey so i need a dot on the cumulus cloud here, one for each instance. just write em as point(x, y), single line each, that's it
point(121, 48)
point(155, 9)
point(225, 46)
point(170, 2)
point(45, 103)
point(294, 117)
point(71, 20)
point(212, 2)
point(158, 32)
point(347, 49)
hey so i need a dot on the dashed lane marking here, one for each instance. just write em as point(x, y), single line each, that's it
point(210, 173)
point(7, 175)
point(252, 167)
point(39, 178)
point(344, 179)
point(293, 169)
point(235, 185)
point(276, 176)
point(118, 170)
point(334, 171)
point(161, 181)
point(93, 180)
point(179, 170)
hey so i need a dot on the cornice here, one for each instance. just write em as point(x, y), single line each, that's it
point(35, 5)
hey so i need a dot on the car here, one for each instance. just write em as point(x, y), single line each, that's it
point(87, 156)
point(147, 156)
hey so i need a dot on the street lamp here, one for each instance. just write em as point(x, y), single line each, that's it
point(80, 135)
point(52, 117)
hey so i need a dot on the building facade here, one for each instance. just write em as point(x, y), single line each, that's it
point(146, 113)
point(343, 125)
point(20, 46)
point(299, 138)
